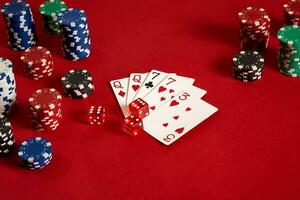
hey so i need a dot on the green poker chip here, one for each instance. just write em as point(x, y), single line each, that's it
point(289, 35)
point(49, 11)
point(52, 8)
point(289, 52)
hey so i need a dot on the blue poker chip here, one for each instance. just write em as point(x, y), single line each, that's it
point(20, 25)
point(75, 34)
point(38, 164)
point(14, 8)
point(34, 150)
point(76, 55)
point(72, 17)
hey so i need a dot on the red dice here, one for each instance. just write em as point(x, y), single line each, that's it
point(139, 108)
point(132, 125)
point(96, 115)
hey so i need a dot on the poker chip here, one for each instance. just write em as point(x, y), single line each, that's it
point(247, 66)
point(76, 43)
point(78, 83)
point(254, 29)
point(7, 86)
point(35, 153)
point(19, 25)
point(6, 136)
point(45, 106)
point(49, 11)
point(289, 52)
point(38, 62)
point(291, 12)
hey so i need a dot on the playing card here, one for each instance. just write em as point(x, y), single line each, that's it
point(135, 82)
point(178, 116)
point(166, 90)
point(153, 79)
point(120, 90)
point(187, 80)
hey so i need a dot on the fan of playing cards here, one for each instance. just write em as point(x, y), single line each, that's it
point(175, 104)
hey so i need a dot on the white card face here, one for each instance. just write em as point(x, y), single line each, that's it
point(135, 82)
point(187, 80)
point(120, 90)
point(178, 116)
point(153, 79)
point(166, 90)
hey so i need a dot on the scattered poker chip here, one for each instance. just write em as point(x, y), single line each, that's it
point(76, 43)
point(46, 109)
point(289, 56)
point(247, 66)
point(50, 11)
point(6, 136)
point(292, 12)
point(35, 153)
point(7, 86)
point(78, 83)
point(38, 62)
point(19, 24)
point(254, 29)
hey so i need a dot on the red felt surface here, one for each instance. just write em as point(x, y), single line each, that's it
point(248, 150)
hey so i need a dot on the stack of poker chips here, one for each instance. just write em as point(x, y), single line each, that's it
point(38, 62)
point(291, 12)
point(6, 136)
point(254, 29)
point(46, 109)
point(35, 153)
point(289, 51)
point(20, 25)
point(76, 43)
point(247, 66)
point(7, 86)
point(78, 83)
point(49, 11)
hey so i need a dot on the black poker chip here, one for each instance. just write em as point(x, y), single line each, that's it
point(78, 83)
point(247, 66)
point(76, 79)
point(6, 136)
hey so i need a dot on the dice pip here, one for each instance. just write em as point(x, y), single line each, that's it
point(96, 115)
point(139, 108)
point(132, 125)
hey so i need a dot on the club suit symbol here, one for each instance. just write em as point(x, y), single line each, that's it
point(149, 85)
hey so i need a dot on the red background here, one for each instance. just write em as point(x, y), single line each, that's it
point(248, 150)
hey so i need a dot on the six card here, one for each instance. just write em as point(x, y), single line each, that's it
point(120, 90)
point(178, 116)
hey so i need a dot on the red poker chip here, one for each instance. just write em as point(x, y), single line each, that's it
point(38, 63)
point(45, 99)
point(254, 29)
point(36, 55)
point(253, 16)
point(42, 128)
point(38, 77)
point(46, 118)
point(292, 8)
point(46, 113)
point(39, 73)
point(48, 65)
point(46, 122)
